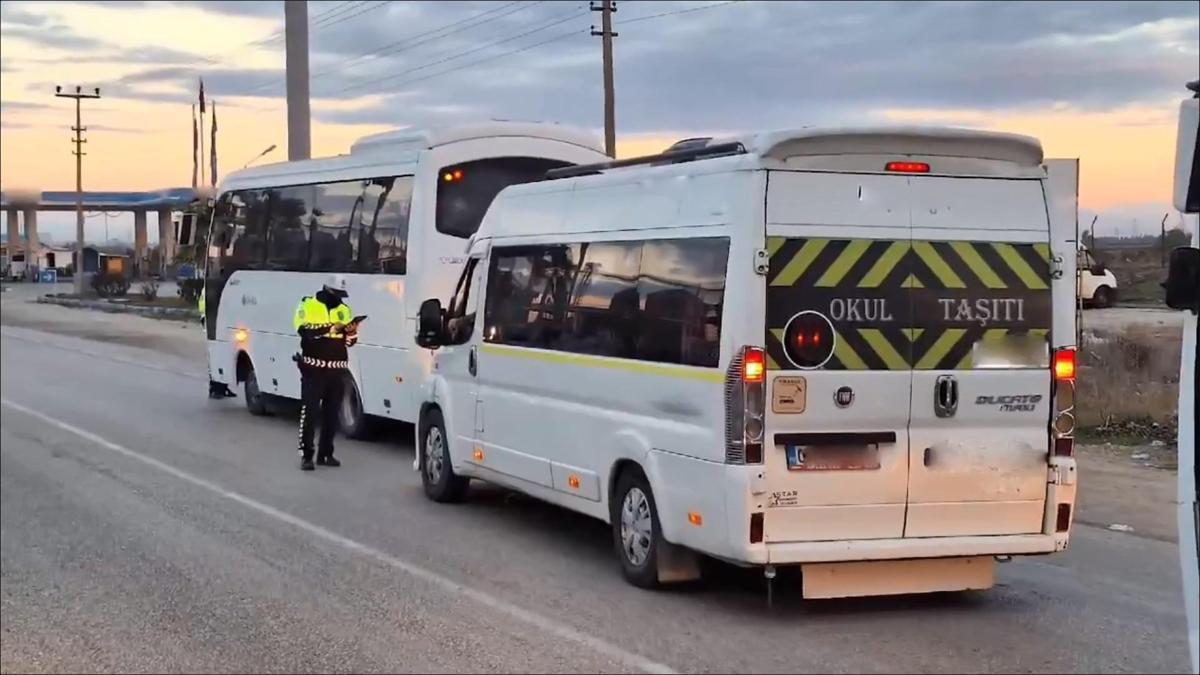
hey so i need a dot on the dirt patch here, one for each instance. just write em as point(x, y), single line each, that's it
point(1128, 384)
point(1128, 489)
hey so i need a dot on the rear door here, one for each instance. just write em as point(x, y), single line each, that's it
point(981, 305)
point(836, 456)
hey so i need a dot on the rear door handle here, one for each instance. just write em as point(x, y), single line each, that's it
point(945, 396)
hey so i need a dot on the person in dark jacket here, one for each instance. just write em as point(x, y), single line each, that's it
point(326, 332)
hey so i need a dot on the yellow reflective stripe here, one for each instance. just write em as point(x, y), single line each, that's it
point(883, 349)
point(645, 368)
point(884, 266)
point(913, 282)
point(913, 333)
point(940, 348)
point(774, 244)
point(1019, 266)
point(846, 354)
point(936, 265)
point(1043, 250)
point(844, 262)
point(771, 365)
point(971, 257)
point(800, 262)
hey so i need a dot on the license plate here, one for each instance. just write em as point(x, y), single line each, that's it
point(832, 457)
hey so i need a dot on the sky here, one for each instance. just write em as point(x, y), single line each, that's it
point(1100, 81)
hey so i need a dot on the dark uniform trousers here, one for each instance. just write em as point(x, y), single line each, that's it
point(320, 395)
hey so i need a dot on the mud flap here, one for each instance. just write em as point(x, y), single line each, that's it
point(677, 564)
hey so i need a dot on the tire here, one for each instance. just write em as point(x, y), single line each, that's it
point(353, 421)
point(256, 401)
point(437, 476)
point(1103, 297)
point(637, 535)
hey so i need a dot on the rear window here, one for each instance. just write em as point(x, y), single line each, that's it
point(465, 191)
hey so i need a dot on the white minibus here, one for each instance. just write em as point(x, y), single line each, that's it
point(392, 216)
point(824, 348)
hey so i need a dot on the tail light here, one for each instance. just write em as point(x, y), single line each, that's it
point(1062, 431)
point(1064, 364)
point(745, 386)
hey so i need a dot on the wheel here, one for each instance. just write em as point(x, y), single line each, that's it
point(437, 476)
point(256, 401)
point(636, 532)
point(1102, 297)
point(354, 422)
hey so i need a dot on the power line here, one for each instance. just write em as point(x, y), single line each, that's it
point(678, 11)
point(404, 44)
point(339, 8)
point(458, 55)
point(414, 41)
point(347, 17)
point(495, 57)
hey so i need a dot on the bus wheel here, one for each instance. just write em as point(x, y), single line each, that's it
point(437, 475)
point(256, 401)
point(636, 532)
point(1102, 297)
point(354, 422)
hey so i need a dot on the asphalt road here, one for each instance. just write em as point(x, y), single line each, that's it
point(145, 528)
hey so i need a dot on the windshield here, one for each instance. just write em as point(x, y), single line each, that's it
point(465, 191)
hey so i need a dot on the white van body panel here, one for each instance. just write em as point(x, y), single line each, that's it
point(560, 424)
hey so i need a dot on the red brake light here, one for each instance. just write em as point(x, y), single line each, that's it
point(907, 167)
point(755, 366)
point(1064, 364)
point(1063, 520)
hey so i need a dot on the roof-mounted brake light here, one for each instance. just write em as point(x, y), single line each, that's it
point(907, 167)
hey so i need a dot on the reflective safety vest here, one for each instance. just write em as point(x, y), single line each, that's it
point(327, 348)
point(312, 313)
point(201, 303)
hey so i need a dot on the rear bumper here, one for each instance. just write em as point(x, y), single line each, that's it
point(906, 549)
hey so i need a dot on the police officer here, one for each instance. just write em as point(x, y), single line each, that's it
point(326, 331)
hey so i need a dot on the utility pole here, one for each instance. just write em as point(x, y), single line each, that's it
point(295, 30)
point(79, 141)
point(606, 9)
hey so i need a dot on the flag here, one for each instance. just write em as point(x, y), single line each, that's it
point(212, 150)
point(195, 150)
point(202, 96)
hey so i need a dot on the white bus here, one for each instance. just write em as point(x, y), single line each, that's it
point(827, 348)
point(392, 216)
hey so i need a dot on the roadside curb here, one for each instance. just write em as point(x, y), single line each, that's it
point(177, 313)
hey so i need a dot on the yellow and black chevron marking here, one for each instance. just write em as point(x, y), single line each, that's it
point(897, 305)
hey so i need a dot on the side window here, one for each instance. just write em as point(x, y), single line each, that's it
point(248, 237)
point(529, 289)
point(460, 314)
point(288, 231)
point(605, 301)
point(658, 300)
point(383, 238)
point(683, 283)
point(333, 238)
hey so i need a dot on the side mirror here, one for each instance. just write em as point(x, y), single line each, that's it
point(429, 324)
point(1183, 279)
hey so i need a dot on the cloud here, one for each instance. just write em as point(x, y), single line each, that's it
point(12, 106)
point(55, 37)
point(10, 15)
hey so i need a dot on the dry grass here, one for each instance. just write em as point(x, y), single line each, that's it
point(1131, 376)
